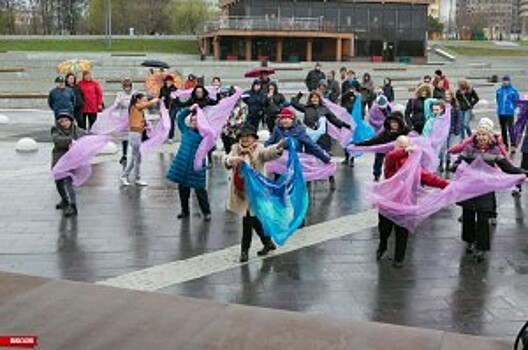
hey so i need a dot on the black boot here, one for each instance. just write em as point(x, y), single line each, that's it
point(379, 254)
point(70, 211)
point(244, 256)
point(123, 161)
point(268, 246)
point(183, 215)
point(331, 179)
point(61, 205)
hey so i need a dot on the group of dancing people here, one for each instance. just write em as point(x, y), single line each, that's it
point(366, 119)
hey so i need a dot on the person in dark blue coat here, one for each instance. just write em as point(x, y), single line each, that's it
point(287, 127)
point(61, 98)
point(182, 169)
point(255, 100)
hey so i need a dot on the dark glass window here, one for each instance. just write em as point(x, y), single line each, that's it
point(410, 48)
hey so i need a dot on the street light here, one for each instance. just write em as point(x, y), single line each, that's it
point(108, 22)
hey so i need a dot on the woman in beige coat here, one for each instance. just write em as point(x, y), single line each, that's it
point(255, 154)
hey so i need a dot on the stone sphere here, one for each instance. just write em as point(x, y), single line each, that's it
point(4, 119)
point(27, 144)
point(110, 148)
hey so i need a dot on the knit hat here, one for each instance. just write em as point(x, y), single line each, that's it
point(247, 130)
point(506, 78)
point(381, 101)
point(286, 113)
point(63, 114)
point(59, 79)
point(485, 124)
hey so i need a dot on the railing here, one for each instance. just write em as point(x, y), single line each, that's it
point(270, 23)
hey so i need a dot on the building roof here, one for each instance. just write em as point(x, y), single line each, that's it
point(225, 3)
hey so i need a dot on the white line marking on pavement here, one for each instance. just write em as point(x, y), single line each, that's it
point(165, 275)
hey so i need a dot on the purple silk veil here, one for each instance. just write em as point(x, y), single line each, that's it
point(110, 122)
point(77, 162)
point(313, 168)
point(210, 122)
point(343, 135)
point(403, 200)
point(376, 118)
point(518, 128)
point(430, 146)
point(158, 134)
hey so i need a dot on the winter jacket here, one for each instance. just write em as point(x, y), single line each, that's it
point(333, 90)
point(60, 100)
point(136, 116)
point(348, 84)
point(79, 99)
point(273, 105)
point(302, 141)
point(123, 100)
point(367, 91)
point(313, 113)
point(93, 96)
point(396, 158)
point(467, 99)
point(238, 202)
point(387, 134)
point(492, 156)
point(506, 98)
point(255, 102)
point(313, 78)
point(182, 168)
point(165, 95)
point(497, 138)
point(62, 140)
point(414, 113)
point(388, 90)
point(264, 85)
point(439, 92)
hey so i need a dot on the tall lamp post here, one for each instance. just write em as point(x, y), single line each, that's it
point(108, 22)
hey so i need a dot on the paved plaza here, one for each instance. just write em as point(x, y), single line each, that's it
point(131, 238)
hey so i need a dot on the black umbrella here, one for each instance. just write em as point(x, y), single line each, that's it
point(155, 64)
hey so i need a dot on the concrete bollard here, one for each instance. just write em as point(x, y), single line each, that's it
point(27, 144)
point(4, 119)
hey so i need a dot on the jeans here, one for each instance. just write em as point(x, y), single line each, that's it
point(476, 228)
point(385, 227)
point(185, 195)
point(378, 164)
point(66, 190)
point(134, 162)
point(506, 124)
point(466, 123)
point(172, 115)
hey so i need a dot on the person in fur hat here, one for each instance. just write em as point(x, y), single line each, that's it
point(414, 112)
point(255, 154)
point(63, 134)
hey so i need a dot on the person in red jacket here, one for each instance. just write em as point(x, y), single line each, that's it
point(394, 160)
point(93, 99)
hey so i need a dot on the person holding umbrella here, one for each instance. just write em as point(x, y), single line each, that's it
point(165, 95)
point(71, 82)
point(93, 99)
point(314, 77)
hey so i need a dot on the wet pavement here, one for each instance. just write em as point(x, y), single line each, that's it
point(122, 230)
